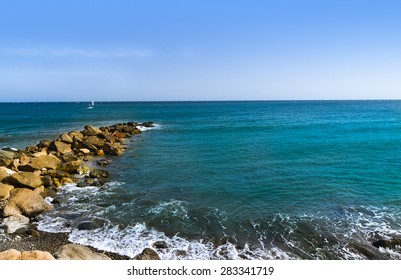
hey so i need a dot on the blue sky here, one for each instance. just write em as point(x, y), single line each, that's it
point(199, 50)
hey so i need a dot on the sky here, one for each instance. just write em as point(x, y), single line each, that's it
point(131, 50)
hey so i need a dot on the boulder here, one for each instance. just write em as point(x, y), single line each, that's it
point(13, 254)
point(70, 167)
point(69, 157)
point(95, 141)
point(119, 134)
point(5, 191)
point(92, 224)
point(38, 154)
point(44, 144)
point(31, 149)
point(93, 129)
point(15, 224)
point(147, 255)
point(78, 252)
point(24, 157)
point(113, 150)
point(6, 157)
point(26, 202)
point(24, 180)
point(99, 173)
point(89, 146)
point(3, 174)
point(64, 137)
point(60, 147)
point(40, 162)
point(76, 136)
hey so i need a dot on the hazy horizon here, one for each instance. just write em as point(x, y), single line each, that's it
point(199, 50)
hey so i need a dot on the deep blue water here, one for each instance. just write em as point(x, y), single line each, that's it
point(281, 179)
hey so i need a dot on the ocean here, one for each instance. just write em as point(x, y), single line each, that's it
point(232, 180)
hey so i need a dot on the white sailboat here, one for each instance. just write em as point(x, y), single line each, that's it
point(91, 105)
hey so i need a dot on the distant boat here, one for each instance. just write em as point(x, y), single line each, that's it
point(91, 105)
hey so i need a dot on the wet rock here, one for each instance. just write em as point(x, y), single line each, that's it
point(112, 150)
point(25, 202)
point(47, 181)
point(71, 167)
point(103, 162)
point(99, 173)
point(24, 179)
point(50, 192)
point(83, 169)
point(5, 191)
point(64, 137)
point(6, 157)
point(367, 250)
point(78, 252)
point(15, 224)
point(148, 124)
point(40, 162)
point(389, 243)
point(147, 254)
point(91, 225)
point(60, 147)
point(160, 244)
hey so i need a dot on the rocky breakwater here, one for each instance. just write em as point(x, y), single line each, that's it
point(28, 176)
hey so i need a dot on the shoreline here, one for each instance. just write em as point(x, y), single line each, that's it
point(29, 176)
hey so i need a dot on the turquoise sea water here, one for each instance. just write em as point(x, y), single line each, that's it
point(222, 180)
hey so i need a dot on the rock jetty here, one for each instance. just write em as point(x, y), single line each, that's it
point(30, 175)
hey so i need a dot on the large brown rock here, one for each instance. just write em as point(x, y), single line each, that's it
point(76, 136)
point(60, 147)
point(93, 129)
point(114, 150)
point(26, 202)
point(148, 255)
point(13, 254)
point(94, 140)
point(64, 137)
point(5, 191)
point(40, 162)
point(6, 157)
point(24, 180)
point(78, 252)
